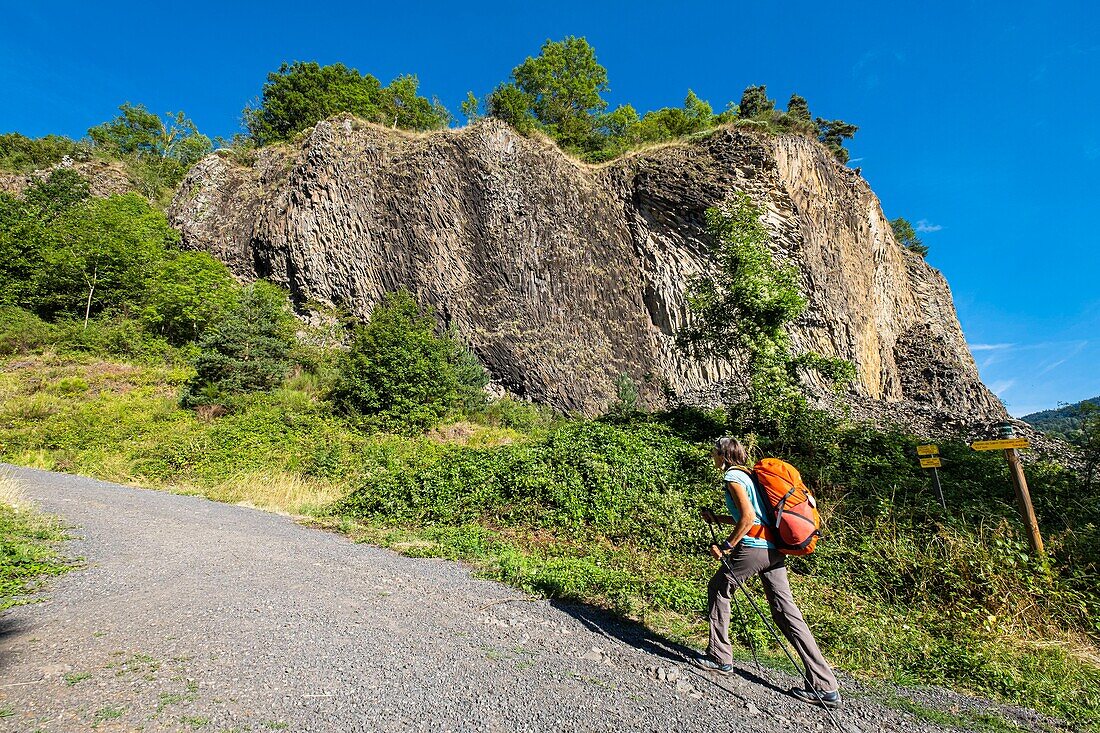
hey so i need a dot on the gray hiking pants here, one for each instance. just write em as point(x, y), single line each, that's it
point(749, 561)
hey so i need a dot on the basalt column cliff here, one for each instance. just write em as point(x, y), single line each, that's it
point(561, 275)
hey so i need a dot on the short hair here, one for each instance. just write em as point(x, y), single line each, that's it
point(732, 451)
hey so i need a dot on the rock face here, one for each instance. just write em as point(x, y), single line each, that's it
point(104, 179)
point(562, 276)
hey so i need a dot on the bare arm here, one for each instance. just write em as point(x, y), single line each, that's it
point(748, 514)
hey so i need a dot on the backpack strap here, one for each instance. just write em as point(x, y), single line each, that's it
point(762, 529)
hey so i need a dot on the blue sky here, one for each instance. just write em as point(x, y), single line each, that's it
point(979, 120)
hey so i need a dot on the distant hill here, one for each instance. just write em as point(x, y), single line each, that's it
point(1061, 422)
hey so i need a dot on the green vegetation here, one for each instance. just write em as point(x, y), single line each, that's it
point(1065, 421)
point(132, 360)
point(154, 151)
point(28, 547)
point(401, 376)
point(300, 95)
point(559, 93)
point(1078, 424)
point(21, 154)
point(159, 149)
point(605, 512)
point(247, 350)
point(65, 257)
point(560, 89)
point(73, 678)
point(741, 309)
point(907, 237)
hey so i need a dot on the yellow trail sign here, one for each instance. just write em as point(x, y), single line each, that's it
point(927, 450)
point(930, 462)
point(1000, 444)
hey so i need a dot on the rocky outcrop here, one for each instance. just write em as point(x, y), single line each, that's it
point(104, 178)
point(562, 275)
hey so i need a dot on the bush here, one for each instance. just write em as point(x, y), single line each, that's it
point(247, 350)
point(21, 154)
point(403, 377)
point(638, 484)
point(22, 331)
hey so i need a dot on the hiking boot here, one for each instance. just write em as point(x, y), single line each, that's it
point(828, 699)
point(705, 662)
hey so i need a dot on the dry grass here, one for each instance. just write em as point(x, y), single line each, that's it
point(473, 435)
point(11, 491)
point(278, 492)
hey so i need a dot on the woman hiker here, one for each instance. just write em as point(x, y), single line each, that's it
point(749, 552)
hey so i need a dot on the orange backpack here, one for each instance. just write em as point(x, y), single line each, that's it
point(793, 524)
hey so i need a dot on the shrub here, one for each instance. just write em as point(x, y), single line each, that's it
point(401, 375)
point(22, 154)
point(634, 483)
point(22, 331)
point(247, 350)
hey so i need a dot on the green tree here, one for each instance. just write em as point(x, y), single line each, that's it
point(299, 95)
point(563, 84)
point(98, 256)
point(400, 374)
point(740, 309)
point(21, 235)
point(620, 122)
point(186, 293)
point(247, 350)
point(798, 109)
point(163, 148)
point(833, 133)
point(63, 254)
point(137, 131)
point(626, 396)
point(402, 107)
point(57, 193)
point(512, 105)
point(471, 108)
point(755, 104)
point(907, 237)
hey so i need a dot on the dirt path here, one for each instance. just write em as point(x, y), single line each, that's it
point(194, 615)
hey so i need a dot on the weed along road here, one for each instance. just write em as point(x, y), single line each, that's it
point(193, 615)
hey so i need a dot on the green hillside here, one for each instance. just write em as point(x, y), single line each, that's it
point(1063, 422)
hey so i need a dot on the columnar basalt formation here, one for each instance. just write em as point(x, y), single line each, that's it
point(562, 276)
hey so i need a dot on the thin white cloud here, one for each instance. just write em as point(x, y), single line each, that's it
point(990, 347)
point(1068, 354)
point(924, 226)
point(1052, 366)
point(1001, 386)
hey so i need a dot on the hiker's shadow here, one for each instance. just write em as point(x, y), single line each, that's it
point(635, 635)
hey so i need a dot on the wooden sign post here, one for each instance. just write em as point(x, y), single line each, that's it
point(930, 458)
point(1009, 444)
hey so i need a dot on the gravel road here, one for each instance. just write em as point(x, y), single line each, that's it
point(193, 615)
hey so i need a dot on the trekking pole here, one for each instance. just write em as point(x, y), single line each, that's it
point(752, 642)
point(775, 634)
